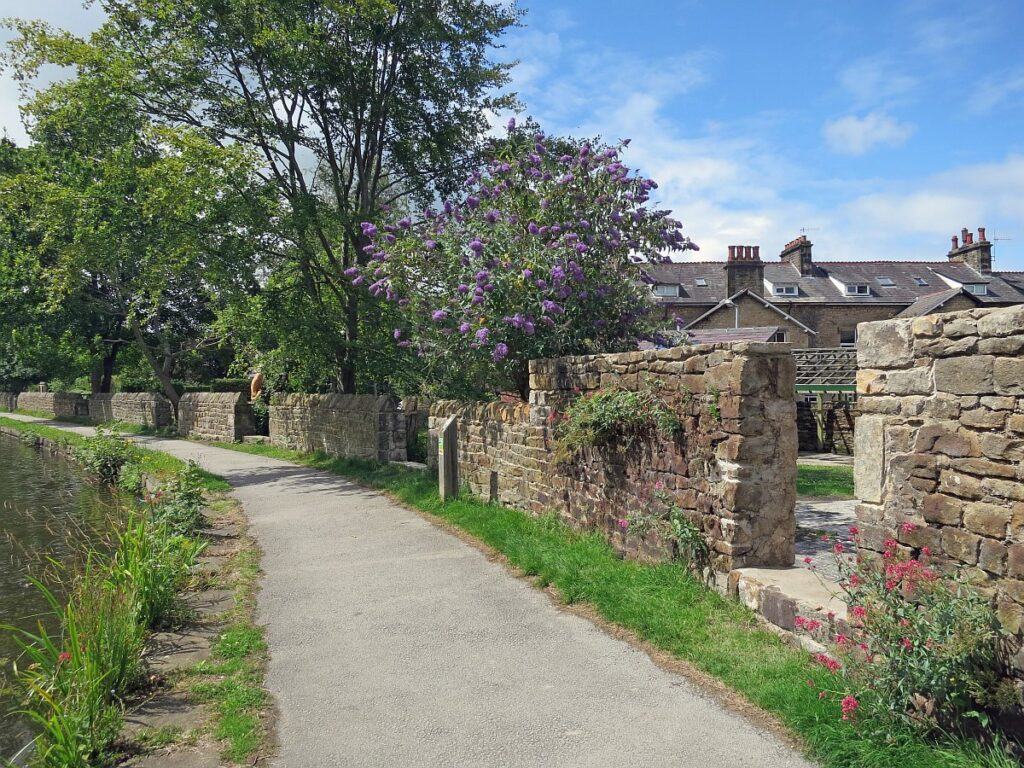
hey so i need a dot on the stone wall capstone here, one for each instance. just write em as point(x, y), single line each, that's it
point(940, 445)
point(145, 408)
point(61, 404)
point(731, 468)
point(351, 426)
point(222, 416)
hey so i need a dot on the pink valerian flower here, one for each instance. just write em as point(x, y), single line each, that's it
point(828, 662)
point(859, 612)
point(623, 523)
point(841, 639)
point(854, 530)
point(838, 548)
point(63, 657)
point(811, 625)
point(659, 485)
point(908, 527)
point(849, 706)
point(808, 560)
point(907, 643)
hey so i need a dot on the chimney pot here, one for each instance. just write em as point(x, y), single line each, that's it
point(956, 243)
point(757, 252)
point(732, 253)
point(981, 234)
point(970, 239)
point(963, 235)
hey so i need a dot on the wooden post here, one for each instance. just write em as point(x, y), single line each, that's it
point(448, 460)
point(819, 420)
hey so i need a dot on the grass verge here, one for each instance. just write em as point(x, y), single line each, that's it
point(665, 607)
point(821, 481)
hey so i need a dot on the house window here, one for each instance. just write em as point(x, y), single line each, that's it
point(780, 337)
point(886, 281)
point(664, 289)
point(848, 337)
point(978, 289)
point(858, 290)
point(785, 290)
point(920, 281)
point(701, 282)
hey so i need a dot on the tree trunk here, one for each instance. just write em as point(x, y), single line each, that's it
point(107, 373)
point(348, 367)
point(162, 372)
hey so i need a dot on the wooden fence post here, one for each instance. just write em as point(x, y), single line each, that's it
point(448, 460)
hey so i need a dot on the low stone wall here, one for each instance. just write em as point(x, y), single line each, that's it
point(8, 401)
point(222, 416)
point(839, 420)
point(61, 404)
point(731, 468)
point(351, 426)
point(940, 445)
point(145, 408)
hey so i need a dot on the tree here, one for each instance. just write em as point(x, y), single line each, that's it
point(351, 105)
point(144, 226)
point(539, 259)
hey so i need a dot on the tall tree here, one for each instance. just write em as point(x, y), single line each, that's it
point(352, 105)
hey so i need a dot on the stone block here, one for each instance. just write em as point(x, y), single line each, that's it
point(885, 345)
point(869, 469)
point(937, 508)
point(972, 375)
point(1002, 322)
point(961, 546)
point(986, 519)
point(1009, 375)
point(992, 556)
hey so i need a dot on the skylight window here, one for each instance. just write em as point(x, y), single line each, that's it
point(858, 290)
point(920, 281)
point(886, 281)
point(701, 282)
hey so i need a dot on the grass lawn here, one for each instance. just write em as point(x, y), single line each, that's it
point(666, 607)
point(819, 480)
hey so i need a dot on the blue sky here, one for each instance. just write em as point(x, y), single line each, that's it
point(881, 128)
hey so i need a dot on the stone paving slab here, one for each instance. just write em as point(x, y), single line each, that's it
point(815, 519)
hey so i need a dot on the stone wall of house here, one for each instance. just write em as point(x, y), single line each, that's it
point(352, 426)
point(839, 420)
point(61, 404)
point(940, 445)
point(8, 401)
point(146, 408)
point(223, 416)
point(754, 314)
point(731, 467)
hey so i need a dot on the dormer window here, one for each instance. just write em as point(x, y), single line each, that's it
point(785, 290)
point(858, 289)
point(666, 290)
point(701, 282)
point(978, 289)
point(886, 281)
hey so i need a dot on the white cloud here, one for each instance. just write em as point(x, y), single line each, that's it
point(852, 135)
point(997, 90)
point(875, 81)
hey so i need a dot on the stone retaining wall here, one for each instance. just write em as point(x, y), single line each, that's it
point(8, 401)
point(352, 426)
point(731, 468)
point(61, 404)
point(145, 408)
point(222, 416)
point(940, 444)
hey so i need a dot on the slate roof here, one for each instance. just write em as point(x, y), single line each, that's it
point(926, 305)
point(714, 335)
point(818, 288)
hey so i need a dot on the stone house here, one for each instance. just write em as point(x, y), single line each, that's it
point(819, 304)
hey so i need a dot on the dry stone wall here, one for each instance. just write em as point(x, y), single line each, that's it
point(61, 404)
point(940, 444)
point(145, 408)
point(223, 416)
point(731, 468)
point(8, 401)
point(352, 426)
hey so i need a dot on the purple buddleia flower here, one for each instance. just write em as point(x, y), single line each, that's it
point(351, 271)
point(477, 300)
point(540, 148)
point(557, 274)
point(616, 217)
point(489, 287)
point(430, 244)
point(584, 150)
point(571, 237)
point(369, 248)
point(500, 352)
point(405, 222)
point(567, 179)
point(405, 344)
point(566, 159)
point(359, 280)
point(552, 307)
point(463, 288)
point(389, 237)
point(369, 229)
point(403, 302)
point(473, 202)
point(542, 284)
point(482, 335)
point(464, 328)
point(448, 207)
point(398, 333)
point(481, 276)
point(476, 246)
point(492, 215)
point(438, 315)
point(545, 203)
point(529, 328)
point(584, 224)
point(581, 248)
point(527, 273)
point(532, 228)
point(511, 125)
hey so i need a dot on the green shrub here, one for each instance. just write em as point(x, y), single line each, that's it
point(179, 503)
point(612, 416)
point(106, 455)
point(689, 544)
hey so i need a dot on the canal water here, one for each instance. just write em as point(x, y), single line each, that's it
point(46, 505)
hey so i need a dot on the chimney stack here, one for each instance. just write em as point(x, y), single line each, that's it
point(977, 255)
point(745, 270)
point(798, 253)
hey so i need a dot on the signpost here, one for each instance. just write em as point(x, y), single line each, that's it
point(448, 460)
